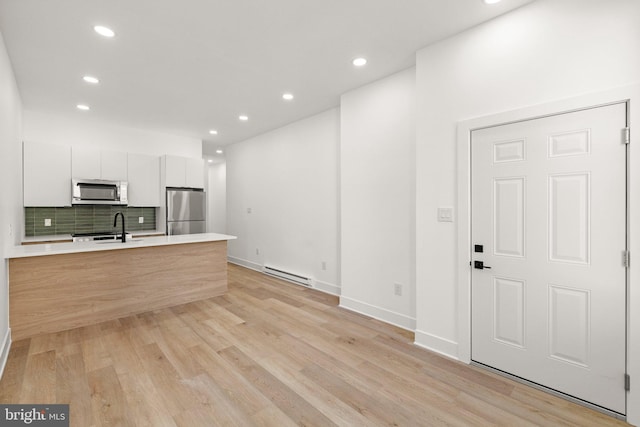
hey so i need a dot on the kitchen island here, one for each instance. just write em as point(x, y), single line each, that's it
point(60, 286)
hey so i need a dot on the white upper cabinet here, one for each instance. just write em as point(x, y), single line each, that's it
point(144, 180)
point(48, 170)
point(90, 163)
point(46, 174)
point(194, 174)
point(85, 163)
point(175, 170)
point(183, 172)
point(113, 165)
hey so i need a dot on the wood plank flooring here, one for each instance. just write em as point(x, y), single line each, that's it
point(268, 353)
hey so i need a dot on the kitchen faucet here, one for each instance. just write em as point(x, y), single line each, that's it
point(115, 221)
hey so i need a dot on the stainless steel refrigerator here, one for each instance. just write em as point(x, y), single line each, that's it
point(186, 211)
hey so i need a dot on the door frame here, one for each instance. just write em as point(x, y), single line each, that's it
point(630, 94)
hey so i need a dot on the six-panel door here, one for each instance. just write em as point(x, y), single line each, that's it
point(549, 208)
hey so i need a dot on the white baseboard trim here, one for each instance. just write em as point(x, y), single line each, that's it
point(4, 351)
point(387, 316)
point(244, 263)
point(318, 285)
point(436, 344)
point(327, 288)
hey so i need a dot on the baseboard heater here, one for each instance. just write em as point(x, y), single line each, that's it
point(295, 278)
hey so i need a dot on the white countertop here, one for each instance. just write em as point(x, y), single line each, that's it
point(60, 237)
point(43, 239)
point(69, 248)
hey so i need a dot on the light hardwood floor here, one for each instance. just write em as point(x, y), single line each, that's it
point(268, 353)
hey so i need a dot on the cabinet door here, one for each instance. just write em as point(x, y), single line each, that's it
point(194, 177)
point(85, 163)
point(47, 174)
point(113, 165)
point(144, 180)
point(175, 169)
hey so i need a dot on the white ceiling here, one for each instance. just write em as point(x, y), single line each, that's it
point(184, 67)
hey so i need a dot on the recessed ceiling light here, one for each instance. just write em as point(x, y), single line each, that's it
point(213, 132)
point(91, 79)
point(104, 31)
point(219, 151)
point(491, 1)
point(210, 161)
point(243, 117)
point(83, 107)
point(287, 96)
point(359, 62)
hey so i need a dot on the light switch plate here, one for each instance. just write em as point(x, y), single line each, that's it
point(445, 214)
point(140, 220)
point(47, 222)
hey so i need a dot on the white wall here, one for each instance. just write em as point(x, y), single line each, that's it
point(78, 128)
point(377, 152)
point(288, 179)
point(217, 198)
point(545, 51)
point(11, 176)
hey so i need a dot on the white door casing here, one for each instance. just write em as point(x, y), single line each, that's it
point(548, 206)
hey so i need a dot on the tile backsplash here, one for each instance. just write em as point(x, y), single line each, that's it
point(85, 219)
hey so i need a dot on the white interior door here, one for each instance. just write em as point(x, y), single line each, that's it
point(549, 221)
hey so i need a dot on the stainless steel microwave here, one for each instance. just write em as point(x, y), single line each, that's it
point(98, 192)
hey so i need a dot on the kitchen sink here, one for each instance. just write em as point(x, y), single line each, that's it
point(112, 242)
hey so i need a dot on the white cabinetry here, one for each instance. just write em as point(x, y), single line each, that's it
point(89, 163)
point(194, 173)
point(175, 170)
point(144, 180)
point(113, 165)
point(46, 174)
point(85, 163)
point(183, 172)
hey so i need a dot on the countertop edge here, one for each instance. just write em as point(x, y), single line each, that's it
point(46, 249)
point(33, 240)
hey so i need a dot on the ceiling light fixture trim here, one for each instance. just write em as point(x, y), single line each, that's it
point(359, 62)
point(104, 31)
point(91, 79)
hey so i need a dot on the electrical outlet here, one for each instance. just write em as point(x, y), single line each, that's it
point(324, 265)
point(397, 289)
point(47, 222)
point(249, 210)
point(140, 220)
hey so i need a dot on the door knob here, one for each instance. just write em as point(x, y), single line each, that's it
point(480, 265)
